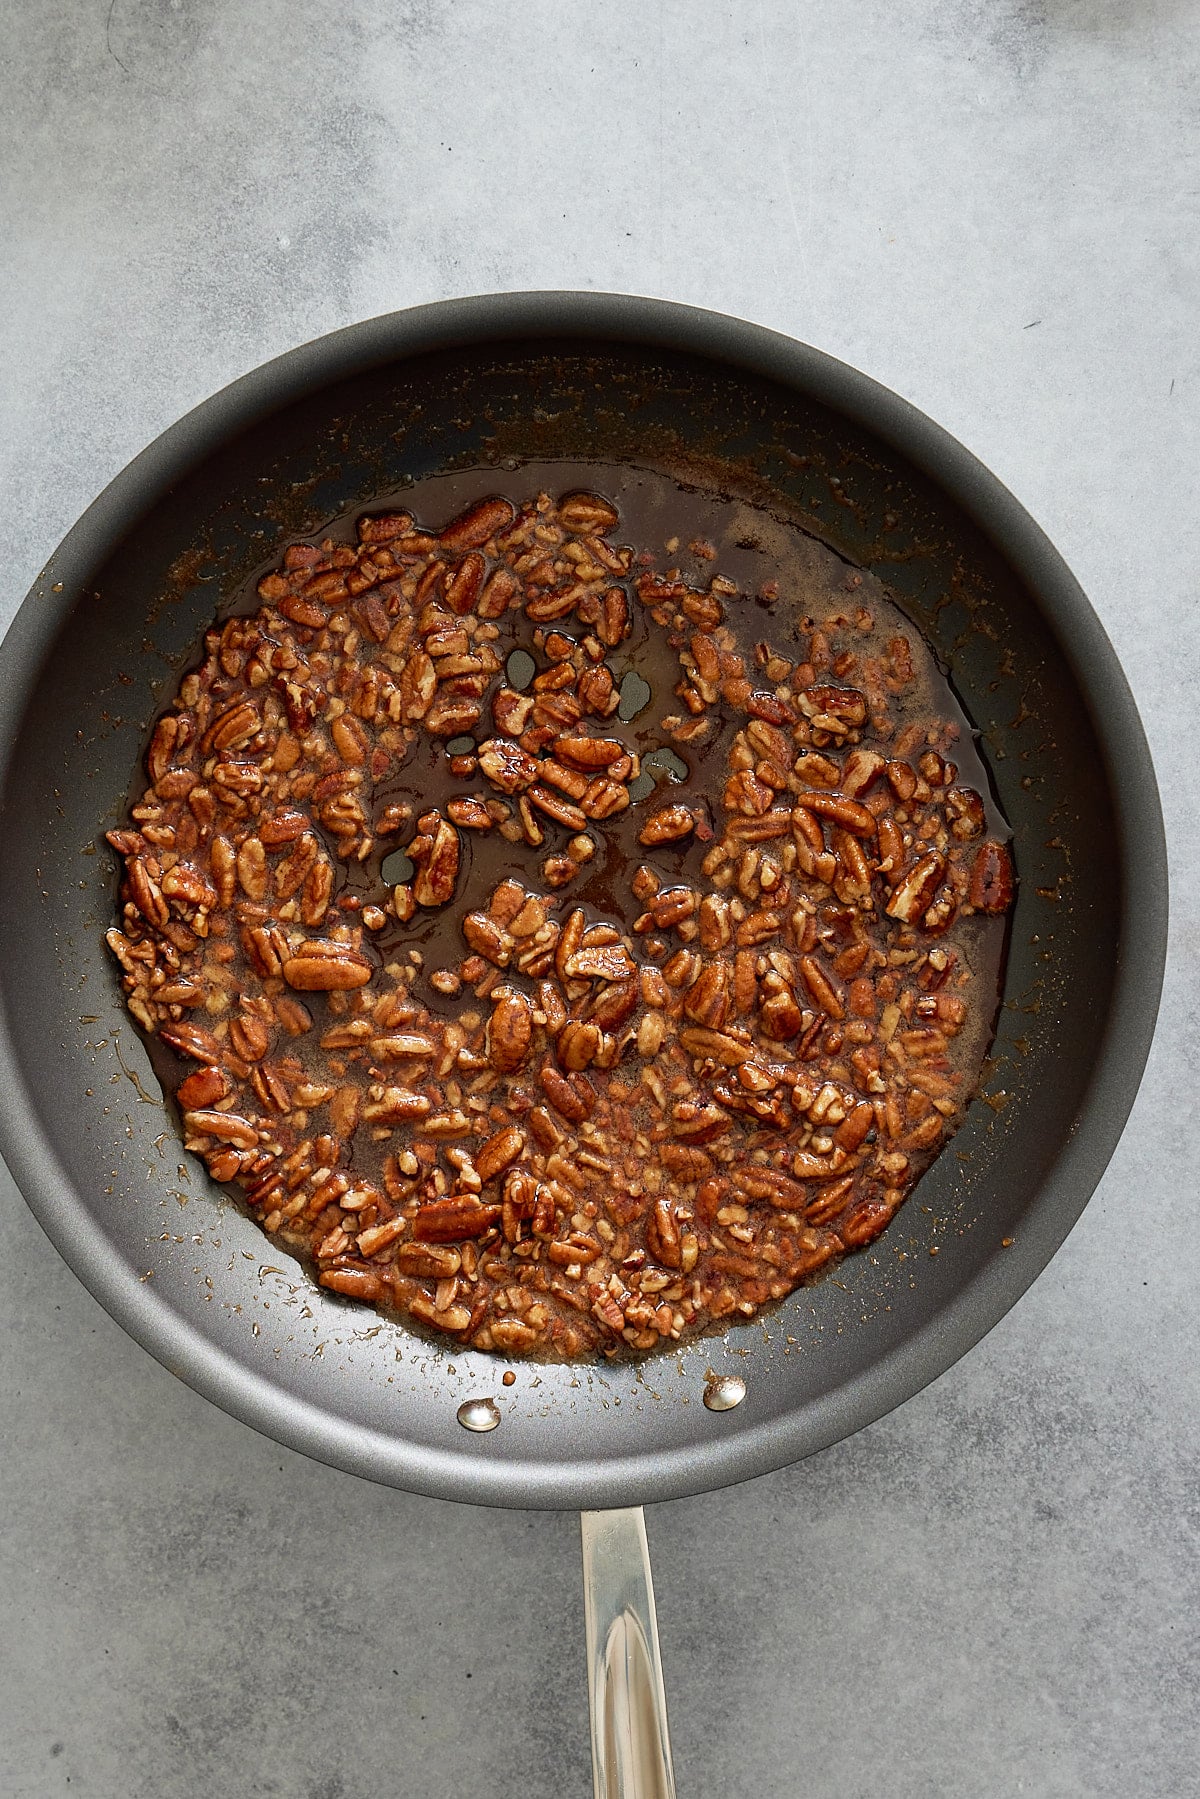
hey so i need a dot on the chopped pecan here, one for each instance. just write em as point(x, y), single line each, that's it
point(917, 889)
point(836, 710)
point(587, 514)
point(470, 813)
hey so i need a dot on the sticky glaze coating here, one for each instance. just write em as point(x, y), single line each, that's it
point(665, 1010)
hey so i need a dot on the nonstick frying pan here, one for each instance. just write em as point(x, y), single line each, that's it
point(493, 383)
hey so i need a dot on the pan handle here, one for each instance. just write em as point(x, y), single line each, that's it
point(631, 1751)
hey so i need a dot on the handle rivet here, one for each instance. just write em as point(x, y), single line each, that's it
point(723, 1392)
point(478, 1414)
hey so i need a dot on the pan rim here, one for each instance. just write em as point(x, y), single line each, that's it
point(1125, 1040)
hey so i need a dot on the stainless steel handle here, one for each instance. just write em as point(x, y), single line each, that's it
point(631, 1751)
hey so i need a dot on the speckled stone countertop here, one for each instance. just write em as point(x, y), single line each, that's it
point(990, 208)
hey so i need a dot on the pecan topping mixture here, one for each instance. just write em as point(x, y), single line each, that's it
point(651, 1023)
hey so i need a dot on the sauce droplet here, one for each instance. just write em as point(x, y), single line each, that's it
point(636, 695)
point(723, 1392)
point(655, 764)
point(520, 669)
point(675, 768)
point(478, 1414)
point(396, 868)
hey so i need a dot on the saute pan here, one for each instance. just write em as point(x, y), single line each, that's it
point(495, 384)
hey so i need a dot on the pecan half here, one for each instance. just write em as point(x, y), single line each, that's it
point(454, 1220)
point(321, 967)
point(438, 871)
point(587, 514)
point(509, 1032)
point(991, 888)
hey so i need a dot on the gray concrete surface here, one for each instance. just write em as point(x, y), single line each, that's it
point(991, 206)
